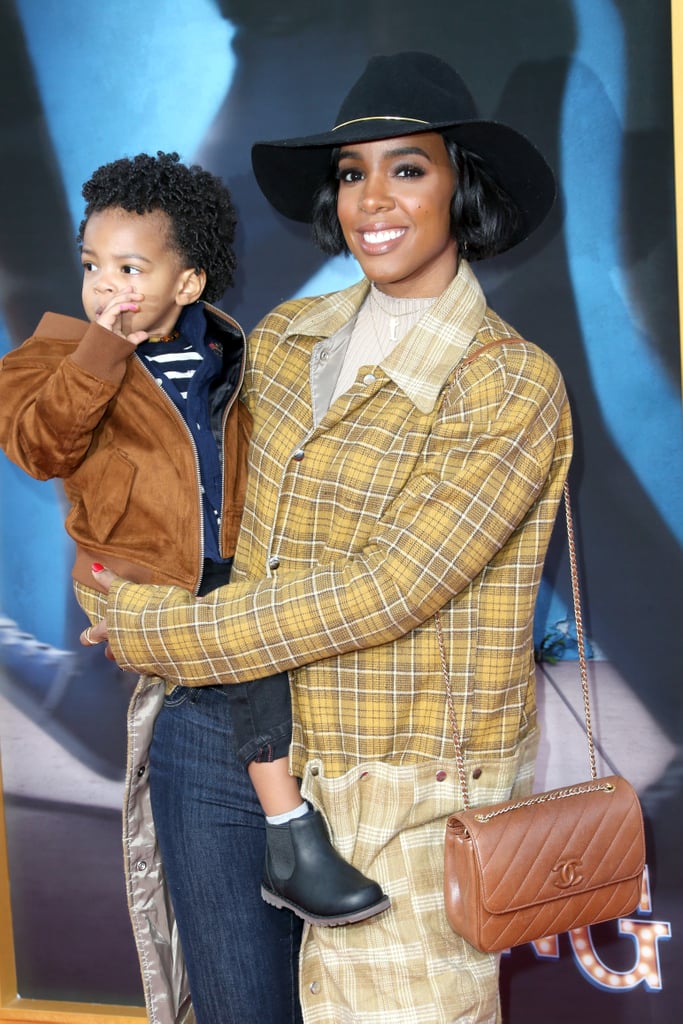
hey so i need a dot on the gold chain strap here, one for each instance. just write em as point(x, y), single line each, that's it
point(544, 798)
point(578, 621)
point(459, 759)
point(583, 671)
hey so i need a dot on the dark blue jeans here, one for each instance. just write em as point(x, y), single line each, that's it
point(241, 954)
point(261, 710)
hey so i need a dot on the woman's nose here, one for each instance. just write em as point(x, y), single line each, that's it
point(375, 195)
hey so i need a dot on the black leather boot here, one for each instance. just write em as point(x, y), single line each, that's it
point(305, 873)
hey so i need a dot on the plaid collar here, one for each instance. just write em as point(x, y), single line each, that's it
point(423, 359)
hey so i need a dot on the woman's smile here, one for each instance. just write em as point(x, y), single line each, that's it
point(380, 239)
point(394, 207)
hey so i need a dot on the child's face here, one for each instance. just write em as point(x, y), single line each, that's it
point(124, 253)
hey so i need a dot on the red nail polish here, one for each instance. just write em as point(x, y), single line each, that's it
point(96, 567)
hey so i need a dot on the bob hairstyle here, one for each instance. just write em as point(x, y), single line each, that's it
point(198, 206)
point(483, 216)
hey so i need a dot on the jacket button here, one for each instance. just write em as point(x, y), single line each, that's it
point(440, 776)
point(298, 455)
point(476, 774)
point(141, 865)
point(274, 562)
point(314, 987)
point(369, 378)
point(141, 771)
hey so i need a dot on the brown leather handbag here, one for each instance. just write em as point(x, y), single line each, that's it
point(525, 869)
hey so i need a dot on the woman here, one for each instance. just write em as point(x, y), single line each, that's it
point(408, 457)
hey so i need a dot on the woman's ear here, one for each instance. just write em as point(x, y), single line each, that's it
point(191, 285)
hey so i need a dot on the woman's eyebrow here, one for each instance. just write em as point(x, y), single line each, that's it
point(388, 154)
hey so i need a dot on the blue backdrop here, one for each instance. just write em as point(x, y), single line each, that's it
point(588, 80)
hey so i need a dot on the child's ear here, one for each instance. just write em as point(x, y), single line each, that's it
point(191, 286)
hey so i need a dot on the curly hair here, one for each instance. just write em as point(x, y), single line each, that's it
point(198, 205)
point(483, 216)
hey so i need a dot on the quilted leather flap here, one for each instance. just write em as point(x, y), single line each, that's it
point(548, 845)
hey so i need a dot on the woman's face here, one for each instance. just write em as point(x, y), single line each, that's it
point(394, 209)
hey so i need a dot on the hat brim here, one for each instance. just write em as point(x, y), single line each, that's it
point(290, 171)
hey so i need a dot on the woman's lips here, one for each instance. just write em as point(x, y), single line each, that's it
point(379, 240)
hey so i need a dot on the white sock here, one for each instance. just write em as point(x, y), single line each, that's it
point(282, 819)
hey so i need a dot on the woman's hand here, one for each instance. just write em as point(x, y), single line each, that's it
point(98, 634)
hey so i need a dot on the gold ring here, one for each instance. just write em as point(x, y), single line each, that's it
point(88, 638)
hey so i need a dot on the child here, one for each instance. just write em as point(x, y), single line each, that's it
point(138, 412)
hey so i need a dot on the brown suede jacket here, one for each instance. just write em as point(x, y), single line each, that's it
point(76, 403)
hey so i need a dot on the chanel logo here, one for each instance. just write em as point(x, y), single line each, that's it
point(569, 873)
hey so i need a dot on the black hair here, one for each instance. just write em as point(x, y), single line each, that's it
point(484, 218)
point(198, 205)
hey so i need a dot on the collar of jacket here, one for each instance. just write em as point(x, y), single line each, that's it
point(224, 321)
point(422, 362)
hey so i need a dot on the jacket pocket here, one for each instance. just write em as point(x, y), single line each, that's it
point(105, 482)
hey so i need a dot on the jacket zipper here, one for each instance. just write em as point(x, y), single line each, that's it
point(221, 452)
point(228, 406)
point(198, 478)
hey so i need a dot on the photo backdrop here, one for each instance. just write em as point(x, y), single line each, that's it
point(590, 82)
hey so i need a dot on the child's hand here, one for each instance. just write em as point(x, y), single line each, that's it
point(117, 315)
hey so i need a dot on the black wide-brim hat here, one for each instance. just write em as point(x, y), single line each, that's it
point(406, 94)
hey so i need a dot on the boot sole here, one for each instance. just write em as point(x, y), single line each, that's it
point(326, 922)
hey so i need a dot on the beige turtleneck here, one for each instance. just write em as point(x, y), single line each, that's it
point(382, 322)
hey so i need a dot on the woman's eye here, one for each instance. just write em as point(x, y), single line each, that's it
point(409, 171)
point(88, 265)
point(350, 174)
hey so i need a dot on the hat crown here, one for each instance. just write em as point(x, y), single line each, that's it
point(409, 86)
point(406, 94)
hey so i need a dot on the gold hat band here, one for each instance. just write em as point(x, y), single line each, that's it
point(380, 117)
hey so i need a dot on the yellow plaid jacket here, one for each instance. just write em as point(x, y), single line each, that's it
point(433, 483)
